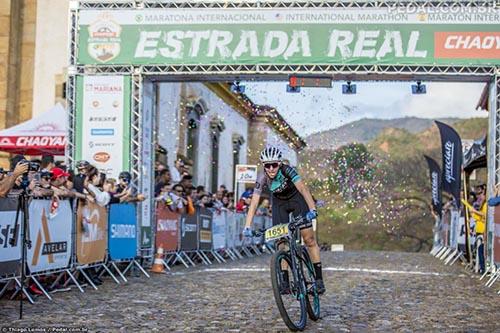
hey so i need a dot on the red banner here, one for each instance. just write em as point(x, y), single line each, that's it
point(167, 228)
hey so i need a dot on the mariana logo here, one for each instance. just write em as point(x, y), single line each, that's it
point(101, 157)
point(104, 40)
point(449, 153)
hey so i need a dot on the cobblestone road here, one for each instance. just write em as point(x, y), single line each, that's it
point(366, 291)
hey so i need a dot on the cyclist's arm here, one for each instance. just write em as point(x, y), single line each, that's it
point(252, 209)
point(302, 188)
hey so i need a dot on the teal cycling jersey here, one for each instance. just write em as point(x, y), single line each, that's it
point(282, 186)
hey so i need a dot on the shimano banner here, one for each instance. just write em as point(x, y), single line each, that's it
point(189, 232)
point(122, 231)
point(435, 174)
point(50, 234)
point(10, 237)
point(451, 145)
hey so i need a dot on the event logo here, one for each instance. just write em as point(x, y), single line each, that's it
point(101, 157)
point(187, 227)
point(5, 142)
point(102, 131)
point(104, 40)
point(167, 225)
point(435, 185)
point(449, 153)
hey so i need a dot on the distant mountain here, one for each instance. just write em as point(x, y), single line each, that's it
point(365, 130)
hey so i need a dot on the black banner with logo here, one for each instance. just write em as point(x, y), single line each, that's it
point(451, 145)
point(205, 228)
point(189, 232)
point(10, 248)
point(435, 175)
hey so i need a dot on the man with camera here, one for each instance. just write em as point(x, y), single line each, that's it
point(9, 181)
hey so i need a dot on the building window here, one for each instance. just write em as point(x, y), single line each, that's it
point(194, 111)
point(216, 126)
point(238, 141)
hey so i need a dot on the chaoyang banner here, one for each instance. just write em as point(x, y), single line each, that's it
point(467, 36)
point(103, 125)
point(451, 147)
point(50, 234)
point(10, 237)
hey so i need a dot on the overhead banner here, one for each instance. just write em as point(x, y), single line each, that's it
point(50, 234)
point(390, 35)
point(435, 175)
point(218, 230)
point(10, 240)
point(451, 147)
point(189, 232)
point(91, 233)
point(205, 228)
point(103, 122)
point(122, 231)
point(167, 228)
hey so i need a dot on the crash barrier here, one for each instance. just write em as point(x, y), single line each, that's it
point(451, 246)
point(205, 237)
point(66, 242)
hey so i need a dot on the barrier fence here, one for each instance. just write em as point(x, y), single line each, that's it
point(71, 244)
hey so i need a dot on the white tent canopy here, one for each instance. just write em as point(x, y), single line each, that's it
point(43, 134)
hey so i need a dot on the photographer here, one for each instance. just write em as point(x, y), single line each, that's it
point(19, 168)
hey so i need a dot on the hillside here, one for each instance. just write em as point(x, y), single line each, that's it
point(365, 130)
point(392, 211)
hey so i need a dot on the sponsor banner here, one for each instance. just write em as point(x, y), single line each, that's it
point(205, 228)
point(122, 231)
point(239, 224)
point(246, 173)
point(451, 148)
point(466, 36)
point(435, 176)
point(167, 228)
point(50, 235)
point(454, 228)
point(189, 232)
point(218, 230)
point(496, 236)
point(12, 142)
point(230, 229)
point(10, 237)
point(462, 231)
point(91, 233)
point(103, 120)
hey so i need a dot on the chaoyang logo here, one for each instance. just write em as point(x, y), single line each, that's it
point(449, 153)
point(471, 45)
point(435, 185)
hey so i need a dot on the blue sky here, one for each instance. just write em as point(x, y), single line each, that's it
point(316, 109)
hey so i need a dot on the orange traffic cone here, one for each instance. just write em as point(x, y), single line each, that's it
point(158, 263)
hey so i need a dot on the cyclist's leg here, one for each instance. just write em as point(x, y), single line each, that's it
point(280, 215)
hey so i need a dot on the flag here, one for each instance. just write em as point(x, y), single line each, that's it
point(451, 146)
point(435, 175)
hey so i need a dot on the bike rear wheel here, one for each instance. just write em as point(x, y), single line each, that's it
point(292, 305)
point(312, 298)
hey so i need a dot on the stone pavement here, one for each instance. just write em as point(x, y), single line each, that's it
point(366, 292)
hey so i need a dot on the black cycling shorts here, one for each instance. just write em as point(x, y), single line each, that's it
point(296, 204)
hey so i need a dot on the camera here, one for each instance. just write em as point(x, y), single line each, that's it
point(32, 166)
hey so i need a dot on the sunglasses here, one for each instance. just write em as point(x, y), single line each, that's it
point(271, 165)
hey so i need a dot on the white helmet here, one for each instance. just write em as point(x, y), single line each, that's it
point(271, 154)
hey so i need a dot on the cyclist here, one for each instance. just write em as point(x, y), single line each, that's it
point(289, 194)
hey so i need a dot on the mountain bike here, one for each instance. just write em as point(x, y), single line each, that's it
point(299, 297)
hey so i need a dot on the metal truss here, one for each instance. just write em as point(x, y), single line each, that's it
point(136, 130)
point(139, 4)
point(71, 105)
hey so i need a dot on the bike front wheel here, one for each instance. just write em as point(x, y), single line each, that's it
point(290, 297)
point(312, 297)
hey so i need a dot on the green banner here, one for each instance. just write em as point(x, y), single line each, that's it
point(288, 36)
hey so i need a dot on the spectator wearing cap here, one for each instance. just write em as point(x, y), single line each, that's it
point(79, 178)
